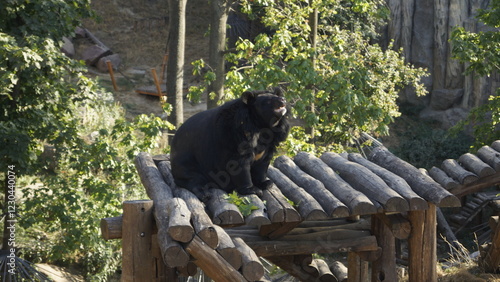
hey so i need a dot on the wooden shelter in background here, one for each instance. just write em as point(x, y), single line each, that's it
point(343, 203)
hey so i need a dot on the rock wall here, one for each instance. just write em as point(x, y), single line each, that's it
point(423, 28)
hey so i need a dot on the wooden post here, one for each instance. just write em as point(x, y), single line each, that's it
point(384, 268)
point(112, 74)
point(357, 269)
point(422, 245)
point(139, 262)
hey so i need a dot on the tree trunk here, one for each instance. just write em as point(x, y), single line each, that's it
point(220, 12)
point(175, 67)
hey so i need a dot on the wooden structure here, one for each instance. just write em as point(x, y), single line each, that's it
point(159, 88)
point(343, 203)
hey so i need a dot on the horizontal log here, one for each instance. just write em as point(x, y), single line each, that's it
point(476, 165)
point(252, 269)
point(179, 221)
point(308, 207)
point(277, 247)
point(325, 274)
point(394, 181)
point(442, 178)
point(258, 216)
point(453, 169)
point(211, 262)
point(338, 222)
point(189, 270)
point(223, 212)
point(356, 201)
point(423, 185)
point(477, 185)
point(278, 208)
point(332, 206)
point(227, 249)
point(490, 156)
point(278, 229)
point(111, 228)
point(365, 181)
point(288, 264)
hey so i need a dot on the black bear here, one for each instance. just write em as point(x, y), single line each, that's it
point(230, 147)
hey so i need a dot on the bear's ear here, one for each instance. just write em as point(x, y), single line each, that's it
point(278, 91)
point(247, 96)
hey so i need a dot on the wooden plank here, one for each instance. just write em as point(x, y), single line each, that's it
point(332, 206)
point(308, 207)
point(422, 244)
point(211, 262)
point(356, 201)
point(394, 181)
point(423, 185)
point(365, 181)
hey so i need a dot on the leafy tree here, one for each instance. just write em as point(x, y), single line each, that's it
point(353, 83)
point(45, 99)
point(482, 51)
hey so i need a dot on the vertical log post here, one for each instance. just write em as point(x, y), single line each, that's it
point(357, 269)
point(139, 262)
point(384, 268)
point(422, 245)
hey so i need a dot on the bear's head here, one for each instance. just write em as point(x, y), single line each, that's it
point(270, 108)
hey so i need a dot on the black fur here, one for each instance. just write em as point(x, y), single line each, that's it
point(230, 147)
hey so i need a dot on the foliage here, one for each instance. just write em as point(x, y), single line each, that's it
point(46, 100)
point(243, 203)
point(482, 52)
point(352, 83)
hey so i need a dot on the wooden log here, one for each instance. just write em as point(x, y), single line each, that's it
point(278, 229)
point(453, 169)
point(308, 207)
point(189, 270)
point(111, 228)
point(287, 263)
point(162, 271)
point(357, 269)
point(394, 181)
point(278, 208)
point(252, 269)
point(223, 212)
point(423, 185)
point(179, 223)
point(305, 261)
point(476, 165)
point(445, 230)
point(227, 249)
point(490, 156)
point(258, 216)
point(442, 178)
point(325, 274)
point(397, 224)
point(202, 223)
point(384, 268)
point(478, 185)
point(211, 262)
point(496, 145)
point(339, 271)
point(277, 247)
point(491, 260)
point(365, 181)
point(332, 206)
point(361, 223)
point(356, 201)
point(151, 178)
point(422, 244)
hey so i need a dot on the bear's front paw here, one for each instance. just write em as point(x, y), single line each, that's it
point(251, 191)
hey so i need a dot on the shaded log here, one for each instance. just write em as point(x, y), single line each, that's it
point(202, 223)
point(308, 207)
point(445, 230)
point(278, 229)
point(442, 178)
point(362, 179)
point(325, 274)
point(397, 224)
point(490, 156)
point(287, 263)
point(179, 225)
point(223, 212)
point(356, 201)
point(305, 262)
point(423, 185)
point(111, 228)
point(496, 145)
point(258, 216)
point(453, 169)
point(476, 165)
point(277, 247)
point(332, 206)
point(340, 223)
point(227, 249)
point(394, 181)
point(189, 270)
point(252, 268)
point(477, 185)
point(384, 268)
point(211, 262)
point(357, 269)
point(278, 208)
point(339, 270)
point(491, 259)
